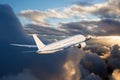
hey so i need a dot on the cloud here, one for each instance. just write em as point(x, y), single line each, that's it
point(16, 65)
point(11, 21)
point(98, 49)
point(69, 64)
point(14, 62)
point(98, 28)
point(25, 75)
point(112, 10)
point(104, 9)
point(94, 64)
point(92, 76)
point(115, 75)
point(40, 17)
point(79, 12)
point(103, 27)
point(47, 33)
point(113, 60)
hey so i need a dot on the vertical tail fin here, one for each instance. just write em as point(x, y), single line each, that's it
point(38, 42)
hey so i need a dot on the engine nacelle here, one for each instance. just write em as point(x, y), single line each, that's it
point(81, 45)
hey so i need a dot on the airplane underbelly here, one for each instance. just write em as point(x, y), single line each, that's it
point(50, 51)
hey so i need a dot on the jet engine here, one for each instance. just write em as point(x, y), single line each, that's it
point(81, 45)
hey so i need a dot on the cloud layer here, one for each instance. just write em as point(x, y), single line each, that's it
point(94, 11)
point(69, 64)
point(95, 19)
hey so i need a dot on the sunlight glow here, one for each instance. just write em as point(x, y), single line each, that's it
point(106, 40)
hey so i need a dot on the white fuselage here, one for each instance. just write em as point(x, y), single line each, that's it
point(60, 45)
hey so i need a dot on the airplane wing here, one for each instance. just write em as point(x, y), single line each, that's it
point(79, 45)
point(22, 45)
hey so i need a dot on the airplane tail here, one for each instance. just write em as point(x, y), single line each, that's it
point(38, 42)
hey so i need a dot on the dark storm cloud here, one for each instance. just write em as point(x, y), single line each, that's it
point(84, 72)
point(94, 64)
point(44, 30)
point(74, 28)
point(10, 25)
point(86, 75)
point(48, 33)
point(15, 64)
point(114, 59)
point(103, 27)
point(69, 64)
point(111, 27)
point(92, 77)
point(109, 24)
point(98, 49)
point(25, 75)
point(107, 9)
point(112, 10)
point(11, 32)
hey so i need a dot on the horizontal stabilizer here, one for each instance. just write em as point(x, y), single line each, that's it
point(23, 45)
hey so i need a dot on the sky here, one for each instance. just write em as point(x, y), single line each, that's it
point(41, 7)
point(21, 63)
point(66, 15)
point(19, 5)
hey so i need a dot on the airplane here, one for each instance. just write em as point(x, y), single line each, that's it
point(77, 40)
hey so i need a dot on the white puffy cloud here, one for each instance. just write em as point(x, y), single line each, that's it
point(82, 12)
point(67, 12)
